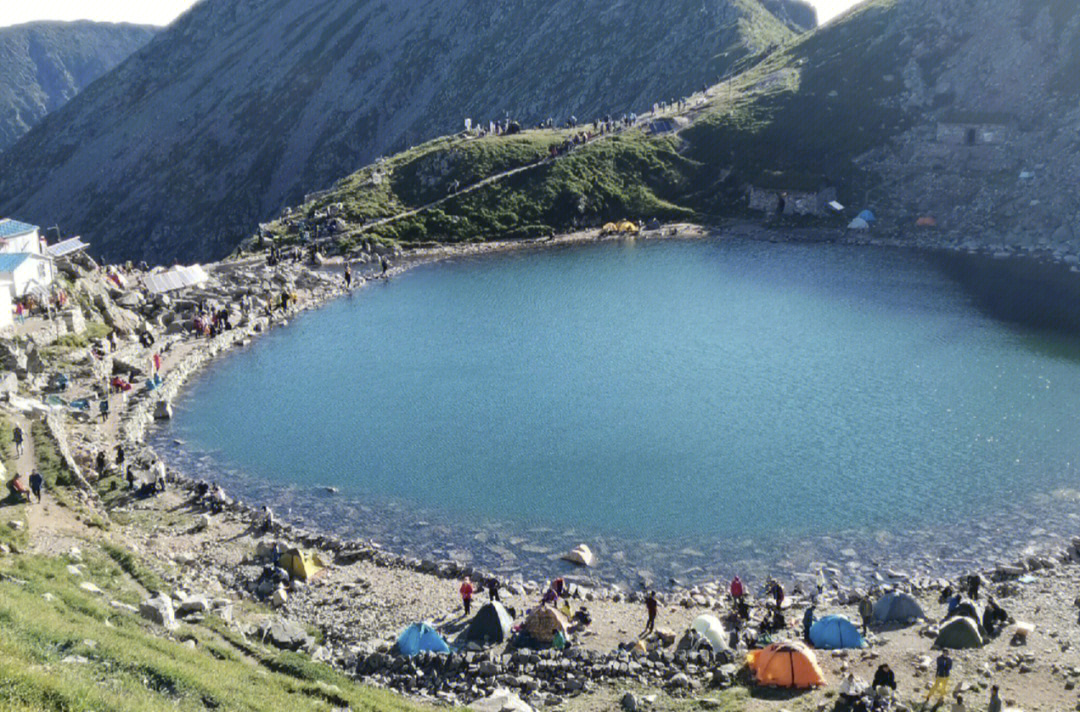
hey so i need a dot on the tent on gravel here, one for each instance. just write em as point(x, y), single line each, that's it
point(959, 633)
point(491, 624)
point(544, 623)
point(421, 637)
point(787, 664)
point(897, 608)
point(836, 633)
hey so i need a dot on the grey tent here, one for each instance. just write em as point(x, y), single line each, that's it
point(958, 633)
point(491, 624)
point(897, 608)
point(967, 609)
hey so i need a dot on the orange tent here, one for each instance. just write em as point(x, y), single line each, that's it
point(787, 664)
point(926, 222)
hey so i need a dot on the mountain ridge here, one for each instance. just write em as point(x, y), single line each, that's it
point(44, 64)
point(241, 107)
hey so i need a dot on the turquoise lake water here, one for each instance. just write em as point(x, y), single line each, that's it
point(667, 391)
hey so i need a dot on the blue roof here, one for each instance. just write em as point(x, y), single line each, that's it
point(11, 228)
point(10, 260)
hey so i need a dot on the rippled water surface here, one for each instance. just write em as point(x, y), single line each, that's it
point(692, 393)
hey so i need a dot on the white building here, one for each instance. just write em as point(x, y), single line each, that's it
point(25, 272)
point(18, 236)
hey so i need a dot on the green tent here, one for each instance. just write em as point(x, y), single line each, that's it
point(958, 633)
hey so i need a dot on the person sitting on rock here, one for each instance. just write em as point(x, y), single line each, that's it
point(559, 587)
point(18, 488)
point(550, 597)
point(994, 618)
point(884, 679)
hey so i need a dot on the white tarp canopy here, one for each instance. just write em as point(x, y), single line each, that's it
point(175, 278)
point(66, 247)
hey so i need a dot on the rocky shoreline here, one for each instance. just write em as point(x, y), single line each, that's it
point(362, 647)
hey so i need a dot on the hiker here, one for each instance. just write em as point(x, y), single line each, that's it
point(940, 688)
point(156, 358)
point(268, 518)
point(550, 597)
point(17, 438)
point(119, 456)
point(466, 592)
point(17, 488)
point(737, 590)
point(559, 587)
point(384, 264)
point(493, 589)
point(650, 607)
point(99, 463)
point(866, 612)
point(36, 482)
point(974, 581)
point(348, 276)
point(994, 618)
point(884, 677)
point(130, 478)
point(777, 593)
point(104, 408)
point(995, 700)
point(808, 622)
point(159, 479)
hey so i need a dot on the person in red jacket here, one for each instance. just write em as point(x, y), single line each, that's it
point(737, 591)
point(466, 592)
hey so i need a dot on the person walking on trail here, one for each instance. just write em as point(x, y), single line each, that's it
point(385, 264)
point(866, 612)
point(995, 700)
point(104, 408)
point(348, 276)
point(650, 607)
point(974, 581)
point(778, 594)
point(156, 358)
point(119, 456)
point(36, 482)
point(940, 688)
point(466, 592)
point(99, 463)
point(493, 589)
point(17, 438)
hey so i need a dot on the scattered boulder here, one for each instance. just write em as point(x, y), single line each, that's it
point(581, 555)
point(193, 604)
point(159, 610)
point(287, 635)
point(163, 410)
point(501, 700)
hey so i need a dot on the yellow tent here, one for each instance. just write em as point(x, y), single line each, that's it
point(609, 227)
point(544, 623)
point(627, 226)
point(787, 664)
point(301, 565)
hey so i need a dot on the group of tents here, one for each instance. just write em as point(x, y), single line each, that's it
point(866, 219)
point(625, 227)
point(491, 625)
point(793, 663)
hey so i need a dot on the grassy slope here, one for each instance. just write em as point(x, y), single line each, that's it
point(130, 666)
point(795, 120)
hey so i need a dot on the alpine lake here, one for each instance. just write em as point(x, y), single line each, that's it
point(689, 409)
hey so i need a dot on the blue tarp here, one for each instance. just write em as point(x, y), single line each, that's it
point(835, 633)
point(420, 637)
point(867, 216)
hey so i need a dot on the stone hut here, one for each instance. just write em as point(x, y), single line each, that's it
point(974, 129)
point(796, 200)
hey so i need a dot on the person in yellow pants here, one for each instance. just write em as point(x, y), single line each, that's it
point(940, 688)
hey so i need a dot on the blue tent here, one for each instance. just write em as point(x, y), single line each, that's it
point(897, 608)
point(868, 216)
point(420, 637)
point(834, 633)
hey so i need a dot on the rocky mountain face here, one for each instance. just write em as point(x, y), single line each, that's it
point(44, 64)
point(959, 115)
point(242, 106)
point(799, 15)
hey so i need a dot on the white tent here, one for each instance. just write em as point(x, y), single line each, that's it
point(858, 224)
point(711, 629)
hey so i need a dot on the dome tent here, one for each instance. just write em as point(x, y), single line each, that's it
point(897, 608)
point(787, 664)
point(868, 216)
point(491, 624)
point(959, 633)
point(711, 629)
point(858, 224)
point(544, 623)
point(421, 637)
point(835, 633)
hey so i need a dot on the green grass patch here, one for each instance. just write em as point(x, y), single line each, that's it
point(75, 652)
point(70, 342)
point(133, 567)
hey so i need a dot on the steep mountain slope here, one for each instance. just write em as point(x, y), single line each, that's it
point(242, 106)
point(799, 15)
point(44, 64)
point(964, 112)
